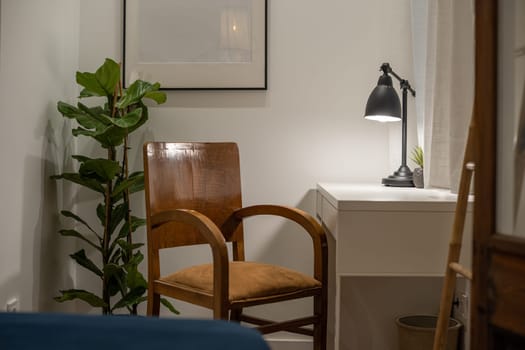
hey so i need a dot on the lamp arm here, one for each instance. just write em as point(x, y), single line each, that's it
point(405, 85)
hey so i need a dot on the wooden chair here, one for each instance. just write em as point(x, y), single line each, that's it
point(193, 196)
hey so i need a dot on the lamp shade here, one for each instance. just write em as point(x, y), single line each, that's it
point(383, 104)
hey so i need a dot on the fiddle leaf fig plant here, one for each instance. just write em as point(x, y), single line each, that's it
point(116, 257)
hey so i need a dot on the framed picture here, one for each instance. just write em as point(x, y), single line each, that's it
point(196, 44)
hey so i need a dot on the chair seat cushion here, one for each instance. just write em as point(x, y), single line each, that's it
point(248, 280)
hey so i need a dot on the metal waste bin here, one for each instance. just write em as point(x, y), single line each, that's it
point(416, 332)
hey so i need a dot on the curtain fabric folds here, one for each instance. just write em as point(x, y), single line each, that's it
point(445, 68)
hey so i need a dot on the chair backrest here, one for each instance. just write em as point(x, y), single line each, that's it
point(200, 176)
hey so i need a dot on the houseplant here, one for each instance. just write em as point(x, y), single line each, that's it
point(109, 124)
point(417, 157)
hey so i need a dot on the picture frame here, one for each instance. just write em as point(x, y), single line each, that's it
point(196, 44)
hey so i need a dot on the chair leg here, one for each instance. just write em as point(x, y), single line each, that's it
point(235, 315)
point(153, 304)
point(221, 312)
point(320, 326)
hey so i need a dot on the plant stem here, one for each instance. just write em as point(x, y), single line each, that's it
point(125, 170)
point(126, 191)
point(106, 241)
point(107, 224)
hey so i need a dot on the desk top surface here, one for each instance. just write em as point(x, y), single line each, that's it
point(355, 196)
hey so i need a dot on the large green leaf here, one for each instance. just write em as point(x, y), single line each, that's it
point(78, 179)
point(130, 247)
point(81, 258)
point(169, 306)
point(131, 298)
point(136, 222)
point(97, 113)
point(138, 257)
point(110, 136)
point(87, 93)
point(118, 214)
point(134, 183)
point(91, 85)
point(116, 278)
point(69, 214)
point(157, 96)
point(74, 233)
point(115, 286)
point(103, 170)
point(94, 111)
point(136, 92)
point(112, 269)
point(143, 119)
point(138, 185)
point(102, 82)
point(113, 136)
point(136, 284)
point(108, 76)
point(84, 119)
point(134, 278)
point(129, 120)
point(131, 260)
point(81, 294)
point(85, 132)
point(130, 183)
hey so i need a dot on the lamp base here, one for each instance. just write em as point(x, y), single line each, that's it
point(401, 178)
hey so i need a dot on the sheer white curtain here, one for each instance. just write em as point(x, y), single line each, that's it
point(444, 73)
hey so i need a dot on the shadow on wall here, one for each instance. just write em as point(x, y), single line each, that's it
point(53, 269)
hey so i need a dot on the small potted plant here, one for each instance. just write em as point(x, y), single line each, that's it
point(417, 157)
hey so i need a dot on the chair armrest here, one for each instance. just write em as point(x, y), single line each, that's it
point(212, 235)
point(305, 220)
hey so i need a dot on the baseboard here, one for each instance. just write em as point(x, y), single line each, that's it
point(289, 344)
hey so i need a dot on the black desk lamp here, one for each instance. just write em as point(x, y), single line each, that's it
point(383, 105)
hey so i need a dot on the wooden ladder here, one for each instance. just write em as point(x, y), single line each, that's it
point(454, 251)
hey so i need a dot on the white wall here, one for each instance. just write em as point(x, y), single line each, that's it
point(38, 56)
point(323, 61)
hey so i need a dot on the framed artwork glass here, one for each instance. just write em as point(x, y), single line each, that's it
point(196, 44)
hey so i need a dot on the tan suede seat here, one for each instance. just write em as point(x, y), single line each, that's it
point(249, 281)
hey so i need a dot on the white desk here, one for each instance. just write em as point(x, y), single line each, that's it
point(388, 248)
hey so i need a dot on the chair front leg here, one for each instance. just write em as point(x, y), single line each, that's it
point(153, 304)
point(235, 314)
point(320, 336)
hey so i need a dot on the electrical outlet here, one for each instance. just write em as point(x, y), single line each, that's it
point(12, 305)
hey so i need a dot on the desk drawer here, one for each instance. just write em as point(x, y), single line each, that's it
point(327, 214)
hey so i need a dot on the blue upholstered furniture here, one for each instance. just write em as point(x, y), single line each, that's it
point(24, 331)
